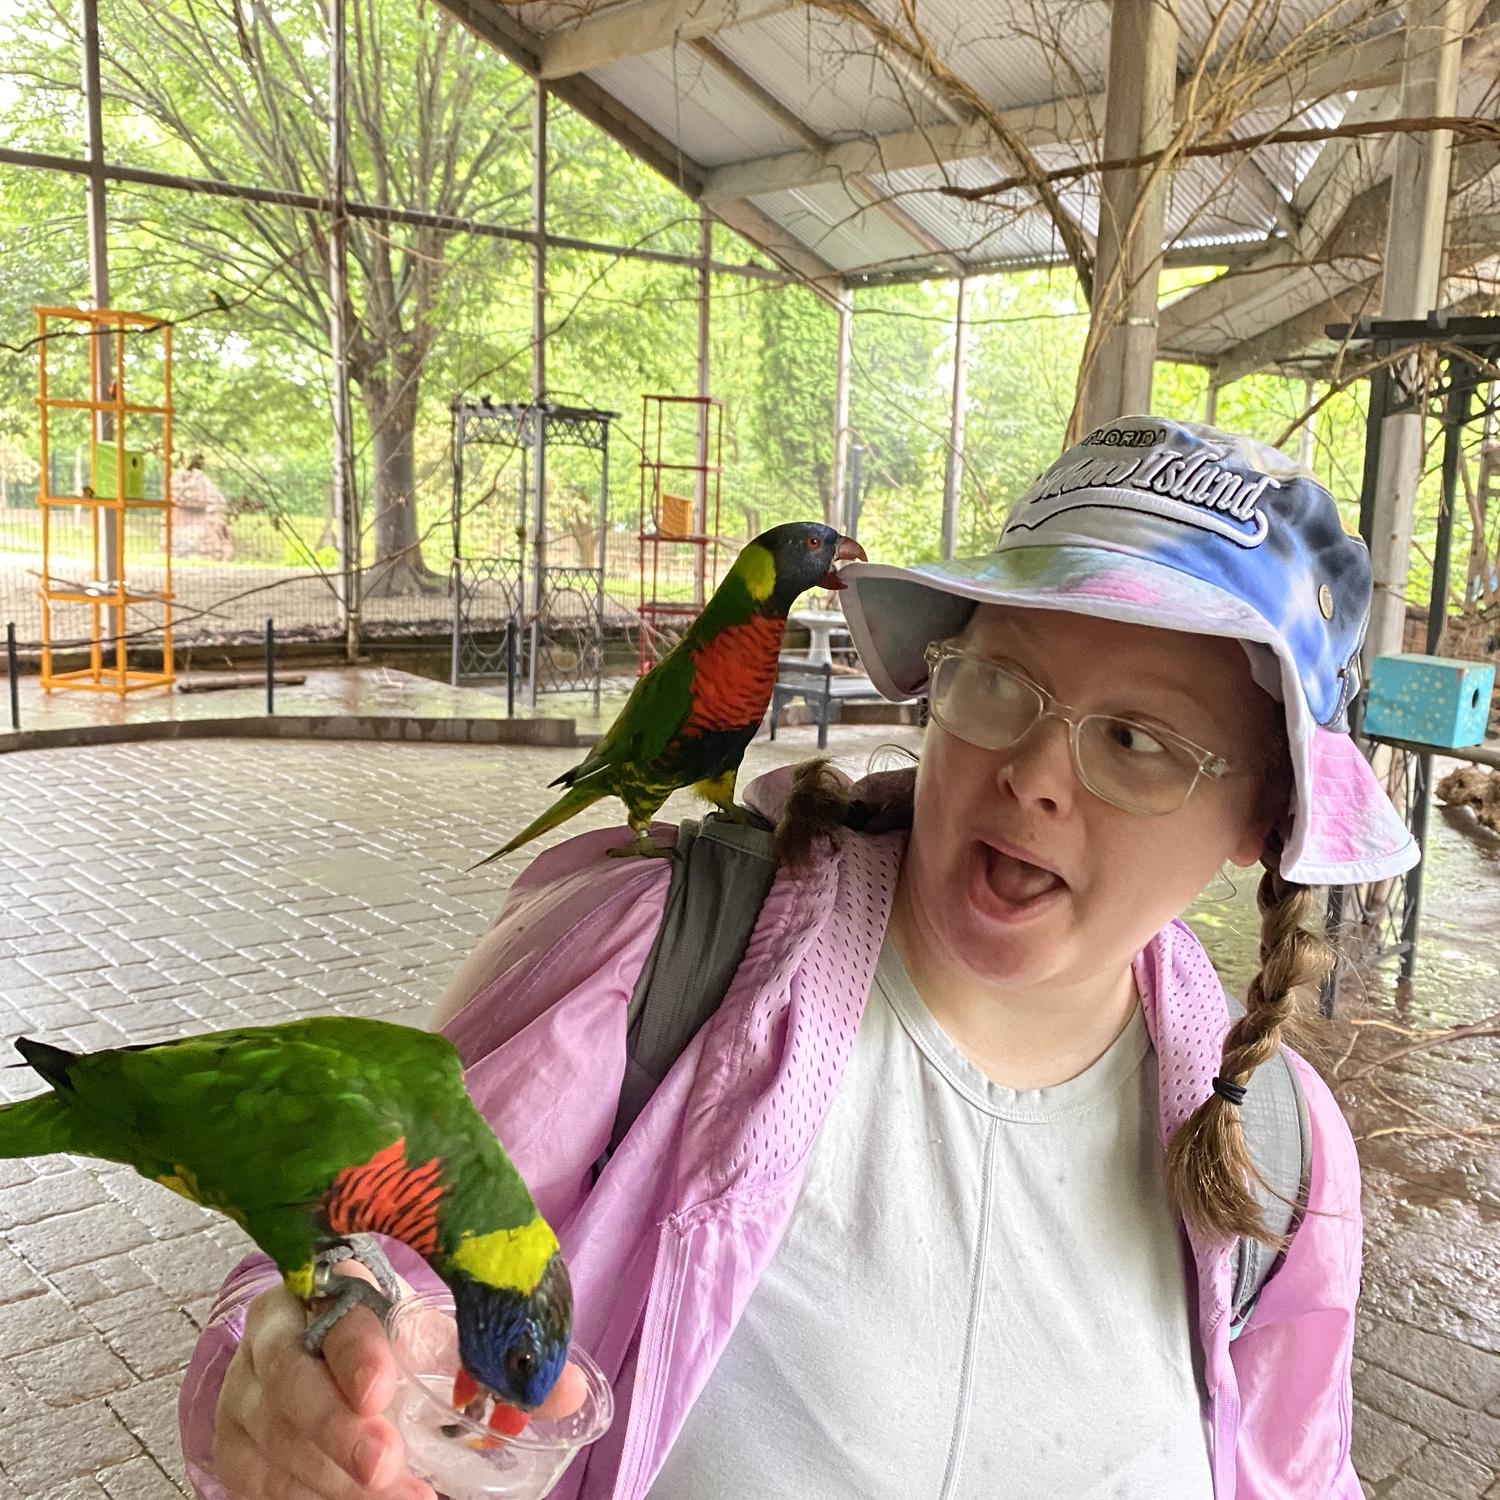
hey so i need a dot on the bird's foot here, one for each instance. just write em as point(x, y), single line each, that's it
point(347, 1292)
point(645, 847)
point(734, 812)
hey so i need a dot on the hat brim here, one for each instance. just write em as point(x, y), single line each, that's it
point(1344, 830)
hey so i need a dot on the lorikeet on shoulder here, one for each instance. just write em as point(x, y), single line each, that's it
point(315, 1130)
point(691, 716)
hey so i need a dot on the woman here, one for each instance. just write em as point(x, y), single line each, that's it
point(941, 1201)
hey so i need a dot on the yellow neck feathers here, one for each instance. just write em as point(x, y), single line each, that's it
point(757, 569)
point(512, 1258)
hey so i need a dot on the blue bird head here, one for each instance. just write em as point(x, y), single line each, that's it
point(512, 1343)
point(804, 554)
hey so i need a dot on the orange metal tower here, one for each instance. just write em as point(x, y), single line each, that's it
point(114, 491)
point(679, 533)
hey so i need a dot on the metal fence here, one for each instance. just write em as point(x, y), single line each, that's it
point(266, 546)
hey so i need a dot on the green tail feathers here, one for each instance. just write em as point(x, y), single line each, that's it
point(44, 1124)
point(38, 1127)
point(573, 801)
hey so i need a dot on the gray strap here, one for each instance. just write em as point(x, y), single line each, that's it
point(719, 882)
point(1278, 1134)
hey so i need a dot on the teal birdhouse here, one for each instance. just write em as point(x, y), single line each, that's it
point(1435, 700)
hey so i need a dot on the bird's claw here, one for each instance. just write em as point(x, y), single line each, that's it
point(646, 848)
point(346, 1292)
point(734, 812)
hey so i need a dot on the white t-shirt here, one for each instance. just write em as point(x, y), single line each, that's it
point(981, 1295)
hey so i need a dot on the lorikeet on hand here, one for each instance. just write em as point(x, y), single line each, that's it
point(691, 716)
point(309, 1132)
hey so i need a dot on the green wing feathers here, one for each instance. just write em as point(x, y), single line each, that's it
point(264, 1123)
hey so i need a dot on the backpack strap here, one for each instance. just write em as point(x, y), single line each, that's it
point(720, 877)
point(1278, 1134)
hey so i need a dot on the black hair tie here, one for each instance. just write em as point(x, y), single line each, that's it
point(1233, 1092)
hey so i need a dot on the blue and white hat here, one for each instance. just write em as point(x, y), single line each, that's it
point(1179, 526)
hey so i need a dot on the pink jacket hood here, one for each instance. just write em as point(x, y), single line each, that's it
point(666, 1248)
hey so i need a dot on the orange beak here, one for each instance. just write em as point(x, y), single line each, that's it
point(848, 550)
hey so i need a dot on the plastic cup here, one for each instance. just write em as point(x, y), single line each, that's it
point(456, 1455)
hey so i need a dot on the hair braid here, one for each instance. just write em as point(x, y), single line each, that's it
point(1209, 1171)
point(816, 805)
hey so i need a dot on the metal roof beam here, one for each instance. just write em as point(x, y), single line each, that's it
point(1470, 241)
point(1179, 255)
point(494, 23)
point(632, 30)
point(860, 187)
point(929, 145)
point(1076, 118)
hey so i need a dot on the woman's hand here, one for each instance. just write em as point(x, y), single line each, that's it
point(292, 1426)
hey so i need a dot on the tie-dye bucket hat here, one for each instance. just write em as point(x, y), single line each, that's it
point(1185, 528)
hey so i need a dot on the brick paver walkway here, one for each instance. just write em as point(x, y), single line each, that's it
point(155, 890)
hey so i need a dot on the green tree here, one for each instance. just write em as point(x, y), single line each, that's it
point(437, 123)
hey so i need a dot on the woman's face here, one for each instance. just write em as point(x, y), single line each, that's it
point(1118, 877)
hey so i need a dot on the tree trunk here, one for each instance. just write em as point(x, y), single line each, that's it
point(398, 567)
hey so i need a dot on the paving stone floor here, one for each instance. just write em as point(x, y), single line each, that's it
point(152, 890)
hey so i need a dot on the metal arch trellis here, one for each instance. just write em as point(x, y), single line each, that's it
point(555, 613)
point(1444, 368)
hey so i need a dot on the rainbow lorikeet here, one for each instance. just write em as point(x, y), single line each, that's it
point(313, 1131)
point(689, 719)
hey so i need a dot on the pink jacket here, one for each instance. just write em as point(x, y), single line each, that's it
point(667, 1247)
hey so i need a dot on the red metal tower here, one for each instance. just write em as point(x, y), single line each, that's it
point(679, 533)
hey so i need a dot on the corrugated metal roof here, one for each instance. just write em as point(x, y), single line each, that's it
point(1254, 30)
point(826, 71)
point(847, 234)
point(830, 74)
point(1015, 52)
point(687, 99)
point(994, 229)
point(1208, 200)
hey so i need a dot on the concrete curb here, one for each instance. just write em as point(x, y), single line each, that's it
point(383, 727)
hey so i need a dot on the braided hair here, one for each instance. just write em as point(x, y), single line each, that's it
point(1209, 1170)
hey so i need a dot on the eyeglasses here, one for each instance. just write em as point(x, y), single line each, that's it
point(1141, 768)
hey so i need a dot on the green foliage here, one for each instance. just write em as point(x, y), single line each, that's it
point(439, 121)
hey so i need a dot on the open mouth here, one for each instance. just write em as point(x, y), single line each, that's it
point(848, 551)
point(1012, 886)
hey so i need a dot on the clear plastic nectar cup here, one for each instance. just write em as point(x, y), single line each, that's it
point(456, 1455)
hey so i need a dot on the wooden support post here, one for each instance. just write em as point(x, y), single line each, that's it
point(840, 511)
point(345, 510)
point(1409, 289)
point(953, 467)
point(1137, 119)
